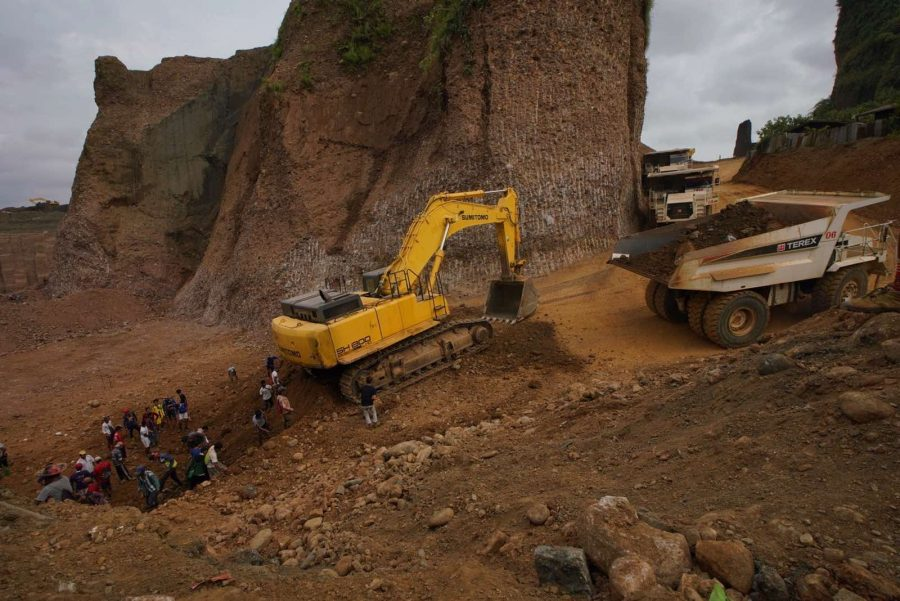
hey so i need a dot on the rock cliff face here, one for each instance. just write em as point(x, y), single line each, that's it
point(328, 163)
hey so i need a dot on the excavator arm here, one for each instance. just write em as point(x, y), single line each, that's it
point(445, 215)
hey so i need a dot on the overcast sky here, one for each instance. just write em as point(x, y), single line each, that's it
point(712, 65)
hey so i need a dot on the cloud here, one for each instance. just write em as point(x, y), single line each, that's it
point(47, 52)
point(714, 64)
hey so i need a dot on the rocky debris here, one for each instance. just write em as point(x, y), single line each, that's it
point(769, 584)
point(891, 349)
point(248, 556)
point(773, 363)
point(313, 523)
point(845, 595)
point(814, 587)
point(610, 528)
point(807, 540)
point(729, 561)
point(344, 565)
point(565, 567)
point(848, 514)
point(538, 514)
point(863, 407)
point(883, 326)
point(865, 582)
point(440, 518)
point(841, 372)
point(248, 492)
point(409, 447)
point(94, 403)
point(630, 577)
point(494, 543)
point(260, 539)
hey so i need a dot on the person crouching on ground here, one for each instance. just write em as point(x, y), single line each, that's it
point(55, 485)
point(148, 484)
point(196, 469)
point(213, 465)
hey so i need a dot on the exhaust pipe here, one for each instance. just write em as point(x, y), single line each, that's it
point(510, 300)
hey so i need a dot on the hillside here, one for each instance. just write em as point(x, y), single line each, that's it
point(867, 165)
point(328, 154)
point(867, 52)
point(27, 236)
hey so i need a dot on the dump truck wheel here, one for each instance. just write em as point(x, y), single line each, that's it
point(834, 288)
point(650, 295)
point(667, 306)
point(735, 319)
point(696, 307)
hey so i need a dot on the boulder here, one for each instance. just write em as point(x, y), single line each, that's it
point(610, 528)
point(864, 407)
point(391, 488)
point(440, 518)
point(630, 577)
point(865, 582)
point(883, 326)
point(814, 587)
point(891, 349)
point(260, 539)
point(729, 561)
point(565, 567)
point(265, 511)
point(773, 363)
point(404, 448)
point(344, 565)
point(538, 514)
point(769, 585)
point(312, 523)
point(248, 492)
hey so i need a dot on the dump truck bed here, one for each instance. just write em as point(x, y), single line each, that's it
point(773, 238)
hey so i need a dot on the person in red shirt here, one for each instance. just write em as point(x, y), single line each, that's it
point(103, 474)
point(119, 436)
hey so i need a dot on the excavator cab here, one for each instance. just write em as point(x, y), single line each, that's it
point(511, 300)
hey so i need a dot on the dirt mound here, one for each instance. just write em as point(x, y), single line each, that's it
point(867, 165)
point(330, 163)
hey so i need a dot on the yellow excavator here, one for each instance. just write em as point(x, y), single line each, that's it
point(397, 331)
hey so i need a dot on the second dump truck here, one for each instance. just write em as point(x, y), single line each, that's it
point(721, 274)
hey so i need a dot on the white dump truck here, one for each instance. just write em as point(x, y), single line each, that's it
point(722, 273)
point(676, 188)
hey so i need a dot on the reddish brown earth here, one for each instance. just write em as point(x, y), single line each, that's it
point(592, 396)
point(867, 165)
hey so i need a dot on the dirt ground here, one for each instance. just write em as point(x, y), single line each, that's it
point(523, 435)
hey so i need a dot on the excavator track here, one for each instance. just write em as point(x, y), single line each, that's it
point(353, 374)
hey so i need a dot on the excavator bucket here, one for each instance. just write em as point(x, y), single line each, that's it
point(510, 300)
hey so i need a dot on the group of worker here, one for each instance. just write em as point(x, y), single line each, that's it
point(91, 478)
point(271, 395)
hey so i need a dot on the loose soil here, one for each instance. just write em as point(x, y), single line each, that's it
point(681, 428)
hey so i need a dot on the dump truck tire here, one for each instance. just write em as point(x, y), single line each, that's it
point(735, 319)
point(650, 296)
point(667, 306)
point(696, 307)
point(834, 288)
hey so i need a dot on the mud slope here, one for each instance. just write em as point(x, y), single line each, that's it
point(865, 165)
point(330, 162)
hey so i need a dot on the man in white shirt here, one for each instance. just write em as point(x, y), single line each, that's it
point(87, 461)
point(265, 394)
